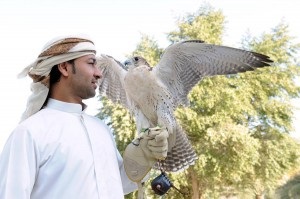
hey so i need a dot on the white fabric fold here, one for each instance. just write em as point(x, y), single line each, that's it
point(45, 64)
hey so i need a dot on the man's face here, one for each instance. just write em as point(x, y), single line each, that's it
point(84, 77)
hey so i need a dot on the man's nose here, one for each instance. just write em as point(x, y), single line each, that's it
point(98, 73)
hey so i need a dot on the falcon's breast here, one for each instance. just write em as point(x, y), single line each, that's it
point(147, 93)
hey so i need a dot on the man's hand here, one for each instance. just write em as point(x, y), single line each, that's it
point(155, 143)
point(144, 151)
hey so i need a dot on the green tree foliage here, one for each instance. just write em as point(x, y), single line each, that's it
point(290, 190)
point(278, 44)
point(206, 24)
point(148, 48)
point(238, 124)
point(279, 153)
point(258, 100)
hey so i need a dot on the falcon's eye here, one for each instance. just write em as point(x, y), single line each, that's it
point(136, 59)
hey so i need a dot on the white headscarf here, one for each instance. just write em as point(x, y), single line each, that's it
point(56, 51)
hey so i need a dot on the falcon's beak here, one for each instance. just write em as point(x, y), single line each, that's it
point(127, 63)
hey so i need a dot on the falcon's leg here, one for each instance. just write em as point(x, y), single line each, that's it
point(141, 121)
point(166, 119)
point(141, 190)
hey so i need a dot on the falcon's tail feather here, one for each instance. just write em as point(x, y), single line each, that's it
point(181, 156)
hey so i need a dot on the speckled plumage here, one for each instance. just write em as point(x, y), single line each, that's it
point(153, 94)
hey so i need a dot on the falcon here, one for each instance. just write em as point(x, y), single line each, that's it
point(152, 94)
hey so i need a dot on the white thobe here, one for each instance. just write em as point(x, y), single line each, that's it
point(62, 153)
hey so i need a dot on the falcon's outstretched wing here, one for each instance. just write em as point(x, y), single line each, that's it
point(185, 63)
point(111, 84)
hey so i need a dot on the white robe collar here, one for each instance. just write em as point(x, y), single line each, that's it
point(65, 106)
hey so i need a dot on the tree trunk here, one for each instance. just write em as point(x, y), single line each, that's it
point(259, 196)
point(195, 184)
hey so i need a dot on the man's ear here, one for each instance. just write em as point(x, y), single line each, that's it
point(63, 68)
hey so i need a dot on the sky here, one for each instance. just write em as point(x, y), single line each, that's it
point(116, 27)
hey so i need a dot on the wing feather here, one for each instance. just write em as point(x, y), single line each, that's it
point(111, 84)
point(184, 64)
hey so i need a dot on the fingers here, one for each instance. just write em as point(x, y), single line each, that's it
point(158, 144)
point(155, 142)
point(159, 147)
point(158, 133)
point(163, 135)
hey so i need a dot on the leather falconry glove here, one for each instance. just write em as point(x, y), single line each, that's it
point(144, 151)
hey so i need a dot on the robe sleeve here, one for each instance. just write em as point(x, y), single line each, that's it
point(128, 185)
point(18, 165)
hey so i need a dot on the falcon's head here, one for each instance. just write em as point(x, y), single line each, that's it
point(136, 61)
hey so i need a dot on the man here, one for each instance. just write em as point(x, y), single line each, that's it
point(57, 150)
